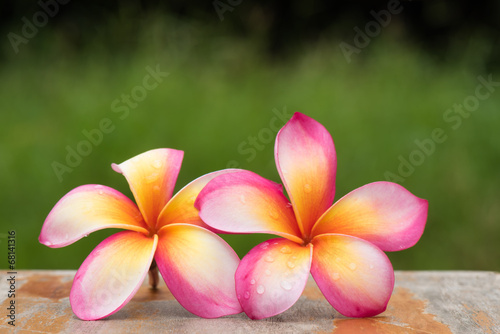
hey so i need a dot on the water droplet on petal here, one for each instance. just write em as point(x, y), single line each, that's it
point(247, 294)
point(260, 289)
point(264, 245)
point(290, 264)
point(285, 250)
point(243, 199)
point(269, 259)
point(286, 285)
point(352, 266)
point(157, 163)
point(151, 178)
point(101, 192)
point(252, 281)
point(48, 243)
point(86, 235)
point(268, 272)
point(273, 214)
point(289, 205)
point(335, 276)
point(307, 188)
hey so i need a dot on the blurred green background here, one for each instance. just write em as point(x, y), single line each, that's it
point(226, 85)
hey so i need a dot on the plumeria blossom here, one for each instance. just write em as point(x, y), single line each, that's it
point(196, 264)
point(341, 245)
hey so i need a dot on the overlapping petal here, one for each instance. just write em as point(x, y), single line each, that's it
point(86, 209)
point(198, 267)
point(111, 275)
point(152, 176)
point(306, 160)
point(244, 202)
point(180, 209)
point(355, 276)
point(272, 276)
point(383, 213)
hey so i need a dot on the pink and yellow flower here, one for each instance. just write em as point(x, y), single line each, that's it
point(341, 245)
point(196, 264)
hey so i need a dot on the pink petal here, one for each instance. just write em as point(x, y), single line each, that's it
point(306, 160)
point(180, 209)
point(151, 176)
point(111, 275)
point(355, 276)
point(86, 209)
point(383, 213)
point(244, 202)
point(198, 267)
point(272, 276)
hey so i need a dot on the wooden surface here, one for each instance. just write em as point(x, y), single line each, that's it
point(422, 302)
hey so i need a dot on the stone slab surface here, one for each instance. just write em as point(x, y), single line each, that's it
point(422, 302)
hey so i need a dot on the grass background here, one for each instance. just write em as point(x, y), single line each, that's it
point(221, 90)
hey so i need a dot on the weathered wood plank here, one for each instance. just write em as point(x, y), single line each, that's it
point(422, 302)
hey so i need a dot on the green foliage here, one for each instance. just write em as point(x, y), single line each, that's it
point(220, 91)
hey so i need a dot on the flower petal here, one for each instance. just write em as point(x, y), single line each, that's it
point(151, 176)
point(111, 275)
point(180, 209)
point(383, 213)
point(306, 160)
point(244, 202)
point(198, 267)
point(355, 276)
point(272, 276)
point(86, 209)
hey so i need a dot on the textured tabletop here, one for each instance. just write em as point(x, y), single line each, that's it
point(422, 302)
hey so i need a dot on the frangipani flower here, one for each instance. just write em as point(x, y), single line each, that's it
point(196, 264)
point(341, 245)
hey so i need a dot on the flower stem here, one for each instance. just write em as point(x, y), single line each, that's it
point(153, 275)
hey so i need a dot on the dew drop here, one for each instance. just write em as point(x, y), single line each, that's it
point(260, 289)
point(289, 205)
point(243, 199)
point(307, 188)
point(335, 276)
point(268, 272)
point(247, 294)
point(269, 259)
point(152, 178)
point(352, 266)
point(86, 235)
point(157, 164)
point(264, 245)
point(101, 192)
point(286, 285)
point(290, 264)
point(48, 243)
point(252, 281)
point(273, 214)
point(285, 250)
